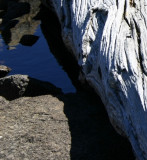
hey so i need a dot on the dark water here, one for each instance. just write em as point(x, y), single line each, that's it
point(24, 44)
point(36, 61)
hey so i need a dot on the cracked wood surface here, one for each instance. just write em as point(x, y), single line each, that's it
point(109, 39)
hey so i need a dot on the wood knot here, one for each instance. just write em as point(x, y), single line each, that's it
point(132, 3)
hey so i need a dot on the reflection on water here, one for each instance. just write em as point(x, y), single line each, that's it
point(18, 20)
point(20, 27)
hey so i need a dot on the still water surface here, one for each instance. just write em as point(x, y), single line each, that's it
point(36, 61)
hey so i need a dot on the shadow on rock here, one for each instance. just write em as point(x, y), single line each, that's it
point(92, 135)
point(15, 86)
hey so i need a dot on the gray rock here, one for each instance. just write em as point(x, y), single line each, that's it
point(15, 86)
point(34, 128)
point(59, 127)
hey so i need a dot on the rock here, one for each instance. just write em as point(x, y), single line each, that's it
point(59, 126)
point(4, 70)
point(15, 86)
point(34, 128)
point(108, 39)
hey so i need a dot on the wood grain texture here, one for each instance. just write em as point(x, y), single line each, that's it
point(109, 39)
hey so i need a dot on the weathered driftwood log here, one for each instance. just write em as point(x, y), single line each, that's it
point(109, 39)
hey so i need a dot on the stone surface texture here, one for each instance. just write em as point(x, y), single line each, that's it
point(15, 86)
point(109, 39)
point(29, 129)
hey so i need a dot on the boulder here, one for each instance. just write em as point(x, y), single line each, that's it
point(15, 86)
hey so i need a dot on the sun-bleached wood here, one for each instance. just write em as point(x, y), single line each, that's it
point(109, 41)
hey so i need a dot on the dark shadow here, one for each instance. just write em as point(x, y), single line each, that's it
point(6, 31)
point(29, 40)
point(15, 10)
point(93, 137)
